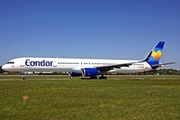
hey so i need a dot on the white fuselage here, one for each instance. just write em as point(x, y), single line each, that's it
point(30, 64)
point(88, 67)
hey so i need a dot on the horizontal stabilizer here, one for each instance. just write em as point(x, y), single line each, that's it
point(163, 64)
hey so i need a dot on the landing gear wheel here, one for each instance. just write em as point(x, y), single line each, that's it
point(92, 77)
point(102, 77)
point(24, 78)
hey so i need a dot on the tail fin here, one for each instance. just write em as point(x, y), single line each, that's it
point(154, 56)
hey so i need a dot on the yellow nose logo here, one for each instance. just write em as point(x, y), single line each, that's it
point(156, 55)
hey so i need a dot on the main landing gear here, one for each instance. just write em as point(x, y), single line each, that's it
point(93, 77)
point(102, 77)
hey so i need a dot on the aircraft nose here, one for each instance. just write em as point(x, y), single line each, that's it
point(4, 67)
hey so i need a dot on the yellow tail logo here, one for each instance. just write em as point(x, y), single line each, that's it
point(156, 55)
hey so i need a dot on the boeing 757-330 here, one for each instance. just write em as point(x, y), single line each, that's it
point(88, 67)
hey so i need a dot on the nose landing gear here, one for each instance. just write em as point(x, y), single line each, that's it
point(23, 76)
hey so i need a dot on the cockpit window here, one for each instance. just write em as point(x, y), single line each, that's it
point(10, 62)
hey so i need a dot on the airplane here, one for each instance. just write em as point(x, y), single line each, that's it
point(88, 67)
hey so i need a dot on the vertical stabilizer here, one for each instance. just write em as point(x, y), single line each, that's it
point(154, 56)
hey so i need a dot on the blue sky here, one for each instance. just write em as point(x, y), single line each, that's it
point(113, 29)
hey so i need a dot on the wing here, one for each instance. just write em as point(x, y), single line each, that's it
point(109, 67)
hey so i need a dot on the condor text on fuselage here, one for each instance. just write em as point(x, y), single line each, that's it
point(44, 63)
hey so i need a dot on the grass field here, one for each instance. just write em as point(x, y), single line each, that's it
point(117, 98)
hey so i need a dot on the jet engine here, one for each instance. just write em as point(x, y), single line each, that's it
point(90, 72)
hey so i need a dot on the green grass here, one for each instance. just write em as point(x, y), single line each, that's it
point(117, 98)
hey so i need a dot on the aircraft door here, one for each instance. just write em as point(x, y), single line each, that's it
point(22, 63)
point(54, 63)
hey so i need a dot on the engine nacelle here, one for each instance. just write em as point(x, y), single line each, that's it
point(75, 74)
point(90, 72)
